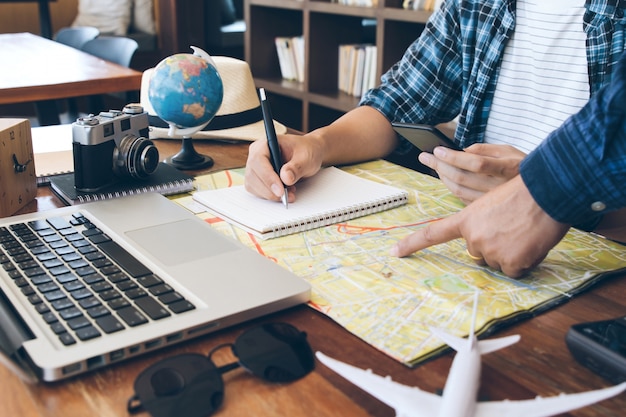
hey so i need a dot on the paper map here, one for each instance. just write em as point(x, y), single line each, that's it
point(390, 302)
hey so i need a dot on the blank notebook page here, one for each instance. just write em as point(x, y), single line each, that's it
point(329, 197)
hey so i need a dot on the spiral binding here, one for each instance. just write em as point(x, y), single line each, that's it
point(337, 216)
point(173, 187)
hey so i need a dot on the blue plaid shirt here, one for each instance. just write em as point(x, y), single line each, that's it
point(452, 68)
point(579, 172)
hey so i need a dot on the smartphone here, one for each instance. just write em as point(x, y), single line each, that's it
point(601, 347)
point(424, 137)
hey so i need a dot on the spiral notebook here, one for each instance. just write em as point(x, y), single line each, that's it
point(165, 180)
point(331, 196)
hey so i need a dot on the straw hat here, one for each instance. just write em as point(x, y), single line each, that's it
point(238, 118)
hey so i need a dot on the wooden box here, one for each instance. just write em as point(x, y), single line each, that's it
point(18, 182)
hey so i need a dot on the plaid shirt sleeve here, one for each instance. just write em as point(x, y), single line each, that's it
point(579, 172)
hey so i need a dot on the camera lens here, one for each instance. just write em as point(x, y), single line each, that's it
point(135, 157)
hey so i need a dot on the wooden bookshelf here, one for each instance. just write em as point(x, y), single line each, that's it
point(325, 25)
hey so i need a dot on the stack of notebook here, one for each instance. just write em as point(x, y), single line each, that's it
point(165, 180)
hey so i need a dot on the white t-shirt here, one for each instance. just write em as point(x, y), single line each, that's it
point(544, 77)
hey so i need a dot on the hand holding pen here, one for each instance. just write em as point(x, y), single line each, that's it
point(272, 140)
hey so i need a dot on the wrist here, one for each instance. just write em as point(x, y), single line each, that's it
point(321, 146)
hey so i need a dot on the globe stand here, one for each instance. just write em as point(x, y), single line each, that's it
point(188, 159)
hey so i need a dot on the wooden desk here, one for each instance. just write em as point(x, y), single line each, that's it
point(35, 69)
point(539, 364)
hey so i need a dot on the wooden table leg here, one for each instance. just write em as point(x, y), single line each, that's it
point(44, 19)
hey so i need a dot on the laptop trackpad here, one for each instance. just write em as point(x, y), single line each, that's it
point(181, 242)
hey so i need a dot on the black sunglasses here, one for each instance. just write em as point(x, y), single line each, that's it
point(191, 385)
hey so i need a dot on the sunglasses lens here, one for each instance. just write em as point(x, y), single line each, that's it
point(276, 352)
point(185, 385)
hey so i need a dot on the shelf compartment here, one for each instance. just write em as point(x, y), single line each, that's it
point(265, 24)
point(404, 33)
point(327, 32)
point(340, 9)
point(335, 100)
point(287, 110)
point(279, 85)
point(325, 25)
point(319, 116)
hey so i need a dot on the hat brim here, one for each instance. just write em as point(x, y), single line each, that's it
point(247, 133)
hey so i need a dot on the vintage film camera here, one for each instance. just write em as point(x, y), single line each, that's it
point(111, 147)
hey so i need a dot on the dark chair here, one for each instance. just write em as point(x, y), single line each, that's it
point(76, 36)
point(116, 49)
point(119, 50)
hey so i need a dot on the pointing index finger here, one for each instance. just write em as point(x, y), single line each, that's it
point(434, 233)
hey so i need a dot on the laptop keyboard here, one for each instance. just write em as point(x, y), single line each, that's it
point(82, 283)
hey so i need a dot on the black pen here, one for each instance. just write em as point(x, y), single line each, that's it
point(272, 140)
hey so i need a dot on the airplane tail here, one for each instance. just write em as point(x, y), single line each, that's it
point(483, 346)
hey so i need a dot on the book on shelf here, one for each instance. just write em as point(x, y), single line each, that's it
point(166, 180)
point(357, 68)
point(360, 3)
point(298, 50)
point(290, 51)
point(331, 196)
point(358, 71)
point(426, 5)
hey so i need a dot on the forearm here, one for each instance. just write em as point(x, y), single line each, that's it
point(360, 135)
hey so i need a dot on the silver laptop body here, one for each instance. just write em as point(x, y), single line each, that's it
point(226, 282)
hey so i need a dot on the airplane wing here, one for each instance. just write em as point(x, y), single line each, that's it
point(491, 345)
point(544, 407)
point(405, 400)
point(485, 346)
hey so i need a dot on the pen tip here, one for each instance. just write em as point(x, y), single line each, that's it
point(285, 200)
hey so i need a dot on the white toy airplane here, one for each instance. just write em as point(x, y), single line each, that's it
point(460, 391)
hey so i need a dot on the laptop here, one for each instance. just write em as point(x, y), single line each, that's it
point(113, 279)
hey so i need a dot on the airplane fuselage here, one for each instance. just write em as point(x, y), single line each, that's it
point(461, 389)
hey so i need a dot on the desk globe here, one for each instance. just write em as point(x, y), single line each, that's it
point(186, 91)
